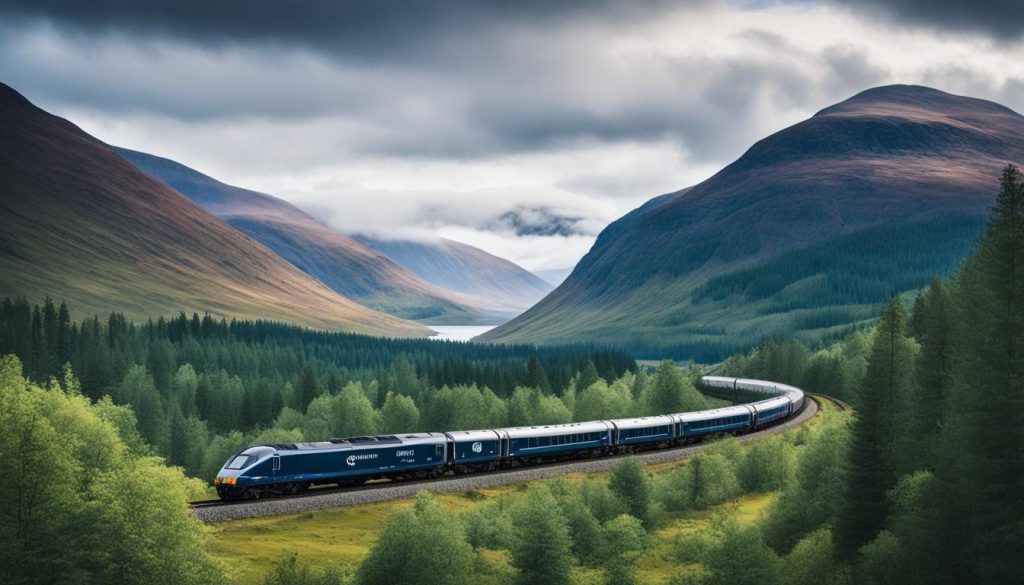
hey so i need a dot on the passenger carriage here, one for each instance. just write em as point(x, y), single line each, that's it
point(556, 441)
point(631, 434)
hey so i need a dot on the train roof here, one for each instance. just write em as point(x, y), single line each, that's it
point(642, 422)
point(478, 435)
point(737, 410)
point(771, 402)
point(563, 429)
point(367, 442)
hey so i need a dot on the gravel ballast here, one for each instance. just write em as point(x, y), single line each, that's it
point(335, 498)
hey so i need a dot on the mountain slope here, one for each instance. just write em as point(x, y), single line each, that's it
point(82, 224)
point(465, 269)
point(901, 156)
point(343, 264)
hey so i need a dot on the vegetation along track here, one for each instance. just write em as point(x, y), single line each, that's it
point(838, 403)
point(319, 499)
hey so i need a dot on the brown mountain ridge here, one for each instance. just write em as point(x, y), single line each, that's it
point(82, 224)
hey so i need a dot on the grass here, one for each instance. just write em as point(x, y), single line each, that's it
point(659, 562)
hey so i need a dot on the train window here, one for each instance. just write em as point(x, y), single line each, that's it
point(239, 462)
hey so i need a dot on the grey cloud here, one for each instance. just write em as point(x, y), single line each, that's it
point(539, 221)
point(1000, 19)
point(358, 30)
point(850, 71)
point(496, 78)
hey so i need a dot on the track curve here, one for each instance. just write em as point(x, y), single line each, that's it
point(217, 511)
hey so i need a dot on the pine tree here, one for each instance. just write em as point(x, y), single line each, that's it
point(536, 377)
point(982, 462)
point(630, 482)
point(307, 388)
point(588, 376)
point(873, 463)
point(933, 315)
point(541, 546)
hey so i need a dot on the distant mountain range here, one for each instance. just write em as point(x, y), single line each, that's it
point(805, 234)
point(80, 223)
point(467, 270)
point(438, 283)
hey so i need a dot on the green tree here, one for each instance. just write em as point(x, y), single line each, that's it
point(624, 539)
point(935, 375)
point(874, 463)
point(584, 529)
point(600, 401)
point(767, 465)
point(307, 387)
point(603, 503)
point(184, 387)
point(980, 467)
point(742, 558)
point(399, 414)
point(630, 482)
point(541, 547)
point(671, 391)
point(346, 414)
point(814, 497)
point(79, 505)
point(588, 377)
point(813, 562)
point(536, 377)
point(706, 480)
point(424, 545)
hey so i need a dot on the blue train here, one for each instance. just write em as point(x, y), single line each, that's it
point(269, 470)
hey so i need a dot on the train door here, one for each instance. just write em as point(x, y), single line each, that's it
point(276, 463)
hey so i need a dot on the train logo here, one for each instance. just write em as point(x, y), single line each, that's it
point(351, 460)
point(477, 447)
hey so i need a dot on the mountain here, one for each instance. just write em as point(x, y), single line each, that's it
point(806, 234)
point(340, 262)
point(467, 270)
point(80, 223)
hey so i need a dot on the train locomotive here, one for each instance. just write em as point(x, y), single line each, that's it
point(269, 470)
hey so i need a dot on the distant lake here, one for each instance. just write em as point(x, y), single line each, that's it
point(459, 332)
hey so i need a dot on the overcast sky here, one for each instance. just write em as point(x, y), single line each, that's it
point(520, 127)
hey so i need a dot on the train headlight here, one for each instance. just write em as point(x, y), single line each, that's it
point(217, 481)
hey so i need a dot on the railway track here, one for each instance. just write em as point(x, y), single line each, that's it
point(384, 490)
point(838, 403)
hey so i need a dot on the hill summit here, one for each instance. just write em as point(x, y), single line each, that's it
point(805, 234)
